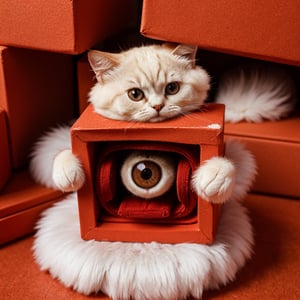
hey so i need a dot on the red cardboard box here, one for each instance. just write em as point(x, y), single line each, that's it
point(105, 208)
point(5, 164)
point(276, 146)
point(85, 81)
point(21, 203)
point(62, 25)
point(36, 92)
point(267, 30)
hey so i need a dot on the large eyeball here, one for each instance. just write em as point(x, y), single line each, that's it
point(147, 174)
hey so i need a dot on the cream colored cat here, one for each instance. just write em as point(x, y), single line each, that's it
point(152, 84)
point(147, 84)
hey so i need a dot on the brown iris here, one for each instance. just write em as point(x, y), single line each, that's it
point(172, 88)
point(146, 174)
point(135, 94)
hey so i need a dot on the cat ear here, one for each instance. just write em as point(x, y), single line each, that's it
point(102, 63)
point(186, 51)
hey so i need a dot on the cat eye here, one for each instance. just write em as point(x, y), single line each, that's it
point(136, 94)
point(172, 88)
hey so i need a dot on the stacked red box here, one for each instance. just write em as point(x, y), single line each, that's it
point(62, 25)
point(85, 80)
point(268, 31)
point(38, 90)
point(5, 163)
point(276, 146)
point(21, 203)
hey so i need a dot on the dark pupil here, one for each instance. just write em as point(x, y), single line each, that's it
point(146, 174)
point(136, 93)
point(171, 87)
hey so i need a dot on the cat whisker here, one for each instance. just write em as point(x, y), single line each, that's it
point(204, 107)
point(141, 116)
point(192, 116)
point(187, 115)
point(131, 123)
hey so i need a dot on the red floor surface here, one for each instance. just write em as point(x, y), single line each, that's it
point(273, 272)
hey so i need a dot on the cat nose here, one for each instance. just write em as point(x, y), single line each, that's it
point(158, 107)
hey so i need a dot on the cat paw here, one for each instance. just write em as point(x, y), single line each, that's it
point(67, 172)
point(214, 180)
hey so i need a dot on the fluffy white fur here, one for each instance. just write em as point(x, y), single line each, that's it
point(144, 270)
point(67, 173)
point(256, 93)
point(44, 153)
point(214, 180)
point(53, 164)
point(140, 270)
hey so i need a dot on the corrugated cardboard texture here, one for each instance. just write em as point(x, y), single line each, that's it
point(267, 30)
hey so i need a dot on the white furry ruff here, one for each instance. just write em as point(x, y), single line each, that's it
point(255, 93)
point(140, 270)
point(245, 166)
point(44, 152)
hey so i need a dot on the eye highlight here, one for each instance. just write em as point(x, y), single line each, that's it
point(172, 88)
point(135, 94)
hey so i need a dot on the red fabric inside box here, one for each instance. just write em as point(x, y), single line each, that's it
point(179, 202)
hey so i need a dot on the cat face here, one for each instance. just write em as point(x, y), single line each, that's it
point(147, 84)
